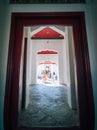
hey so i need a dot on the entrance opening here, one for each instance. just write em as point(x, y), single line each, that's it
point(50, 77)
point(47, 73)
point(31, 105)
point(47, 69)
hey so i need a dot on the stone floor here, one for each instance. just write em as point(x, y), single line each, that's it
point(48, 107)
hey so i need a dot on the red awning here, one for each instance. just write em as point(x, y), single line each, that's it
point(47, 52)
point(47, 33)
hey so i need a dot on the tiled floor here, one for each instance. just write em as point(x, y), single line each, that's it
point(48, 107)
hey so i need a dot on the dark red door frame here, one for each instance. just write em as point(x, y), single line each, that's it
point(24, 76)
point(85, 94)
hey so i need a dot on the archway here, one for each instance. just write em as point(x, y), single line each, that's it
point(47, 67)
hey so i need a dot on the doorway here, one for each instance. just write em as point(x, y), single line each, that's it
point(47, 72)
point(47, 66)
point(50, 78)
point(82, 69)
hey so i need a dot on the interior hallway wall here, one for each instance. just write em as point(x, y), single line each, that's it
point(93, 52)
point(72, 93)
point(90, 10)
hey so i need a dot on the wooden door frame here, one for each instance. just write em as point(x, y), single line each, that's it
point(85, 93)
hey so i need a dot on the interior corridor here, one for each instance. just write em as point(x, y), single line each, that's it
point(48, 107)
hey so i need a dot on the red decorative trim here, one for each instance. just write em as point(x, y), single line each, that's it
point(47, 62)
point(47, 33)
point(47, 52)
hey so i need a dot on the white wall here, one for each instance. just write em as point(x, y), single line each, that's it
point(90, 10)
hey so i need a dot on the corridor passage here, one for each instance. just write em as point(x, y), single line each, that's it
point(48, 107)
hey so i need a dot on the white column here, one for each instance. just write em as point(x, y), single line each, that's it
point(73, 86)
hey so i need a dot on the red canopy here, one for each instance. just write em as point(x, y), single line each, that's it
point(47, 33)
